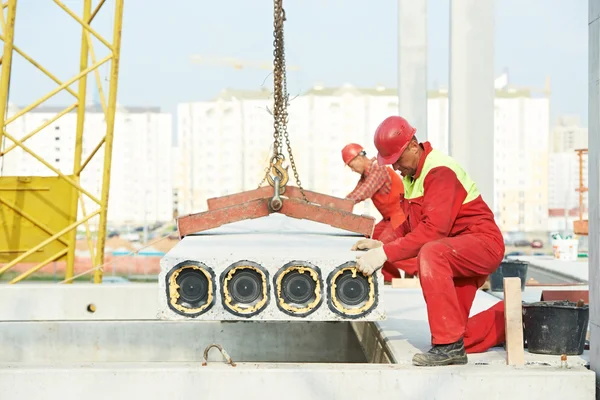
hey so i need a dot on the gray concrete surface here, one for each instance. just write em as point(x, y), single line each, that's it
point(547, 277)
point(576, 271)
point(175, 341)
point(405, 330)
point(252, 381)
point(54, 302)
point(119, 359)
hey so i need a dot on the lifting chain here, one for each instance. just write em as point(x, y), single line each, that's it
point(280, 114)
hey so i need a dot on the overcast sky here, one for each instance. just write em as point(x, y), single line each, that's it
point(332, 41)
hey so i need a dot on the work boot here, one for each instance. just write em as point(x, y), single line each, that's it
point(442, 354)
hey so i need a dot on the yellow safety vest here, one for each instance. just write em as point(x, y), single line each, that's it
point(414, 189)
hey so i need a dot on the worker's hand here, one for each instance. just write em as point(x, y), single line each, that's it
point(366, 244)
point(371, 261)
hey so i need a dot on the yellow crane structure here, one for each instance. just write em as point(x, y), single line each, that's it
point(236, 63)
point(39, 214)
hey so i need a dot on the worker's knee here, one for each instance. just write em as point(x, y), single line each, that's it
point(384, 232)
point(429, 258)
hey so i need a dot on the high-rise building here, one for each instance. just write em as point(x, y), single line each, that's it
point(564, 173)
point(568, 135)
point(141, 188)
point(223, 146)
point(521, 160)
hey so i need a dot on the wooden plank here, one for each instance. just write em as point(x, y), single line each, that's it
point(410, 283)
point(513, 322)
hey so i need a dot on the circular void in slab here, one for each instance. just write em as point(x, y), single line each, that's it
point(245, 288)
point(298, 288)
point(190, 288)
point(350, 293)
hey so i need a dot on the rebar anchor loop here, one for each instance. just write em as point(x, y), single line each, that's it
point(225, 355)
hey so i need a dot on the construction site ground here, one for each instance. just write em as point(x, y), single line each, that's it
point(107, 338)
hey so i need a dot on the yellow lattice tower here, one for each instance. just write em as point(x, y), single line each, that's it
point(39, 214)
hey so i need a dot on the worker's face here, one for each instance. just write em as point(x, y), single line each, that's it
point(358, 165)
point(409, 160)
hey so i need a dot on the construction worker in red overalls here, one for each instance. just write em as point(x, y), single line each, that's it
point(452, 233)
point(384, 187)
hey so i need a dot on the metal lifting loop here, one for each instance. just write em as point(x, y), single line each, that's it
point(276, 203)
point(226, 356)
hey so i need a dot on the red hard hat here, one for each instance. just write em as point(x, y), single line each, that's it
point(392, 137)
point(350, 151)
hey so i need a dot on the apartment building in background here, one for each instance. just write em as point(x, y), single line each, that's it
point(224, 145)
point(568, 135)
point(564, 173)
point(324, 119)
point(522, 124)
point(141, 188)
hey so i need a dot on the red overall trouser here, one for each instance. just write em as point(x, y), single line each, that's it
point(451, 270)
point(384, 232)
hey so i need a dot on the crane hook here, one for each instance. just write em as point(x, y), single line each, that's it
point(281, 172)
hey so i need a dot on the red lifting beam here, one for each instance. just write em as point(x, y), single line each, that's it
point(252, 204)
point(291, 192)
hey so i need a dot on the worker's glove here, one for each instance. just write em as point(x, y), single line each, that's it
point(366, 244)
point(371, 261)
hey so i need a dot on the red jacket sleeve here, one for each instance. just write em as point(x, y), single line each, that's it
point(442, 200)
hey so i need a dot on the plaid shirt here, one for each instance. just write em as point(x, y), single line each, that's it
point(374, 179)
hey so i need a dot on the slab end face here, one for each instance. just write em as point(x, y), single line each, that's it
point(289, 284)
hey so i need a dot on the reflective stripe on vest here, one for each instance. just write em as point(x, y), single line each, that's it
point(415, 189)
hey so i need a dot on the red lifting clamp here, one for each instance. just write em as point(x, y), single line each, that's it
point(261, 202)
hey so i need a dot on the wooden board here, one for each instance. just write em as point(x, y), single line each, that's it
point(398, 283)
point(513, 322)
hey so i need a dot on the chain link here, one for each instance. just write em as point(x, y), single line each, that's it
point(281, 99)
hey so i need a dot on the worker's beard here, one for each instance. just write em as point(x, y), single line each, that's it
point(407, 172)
